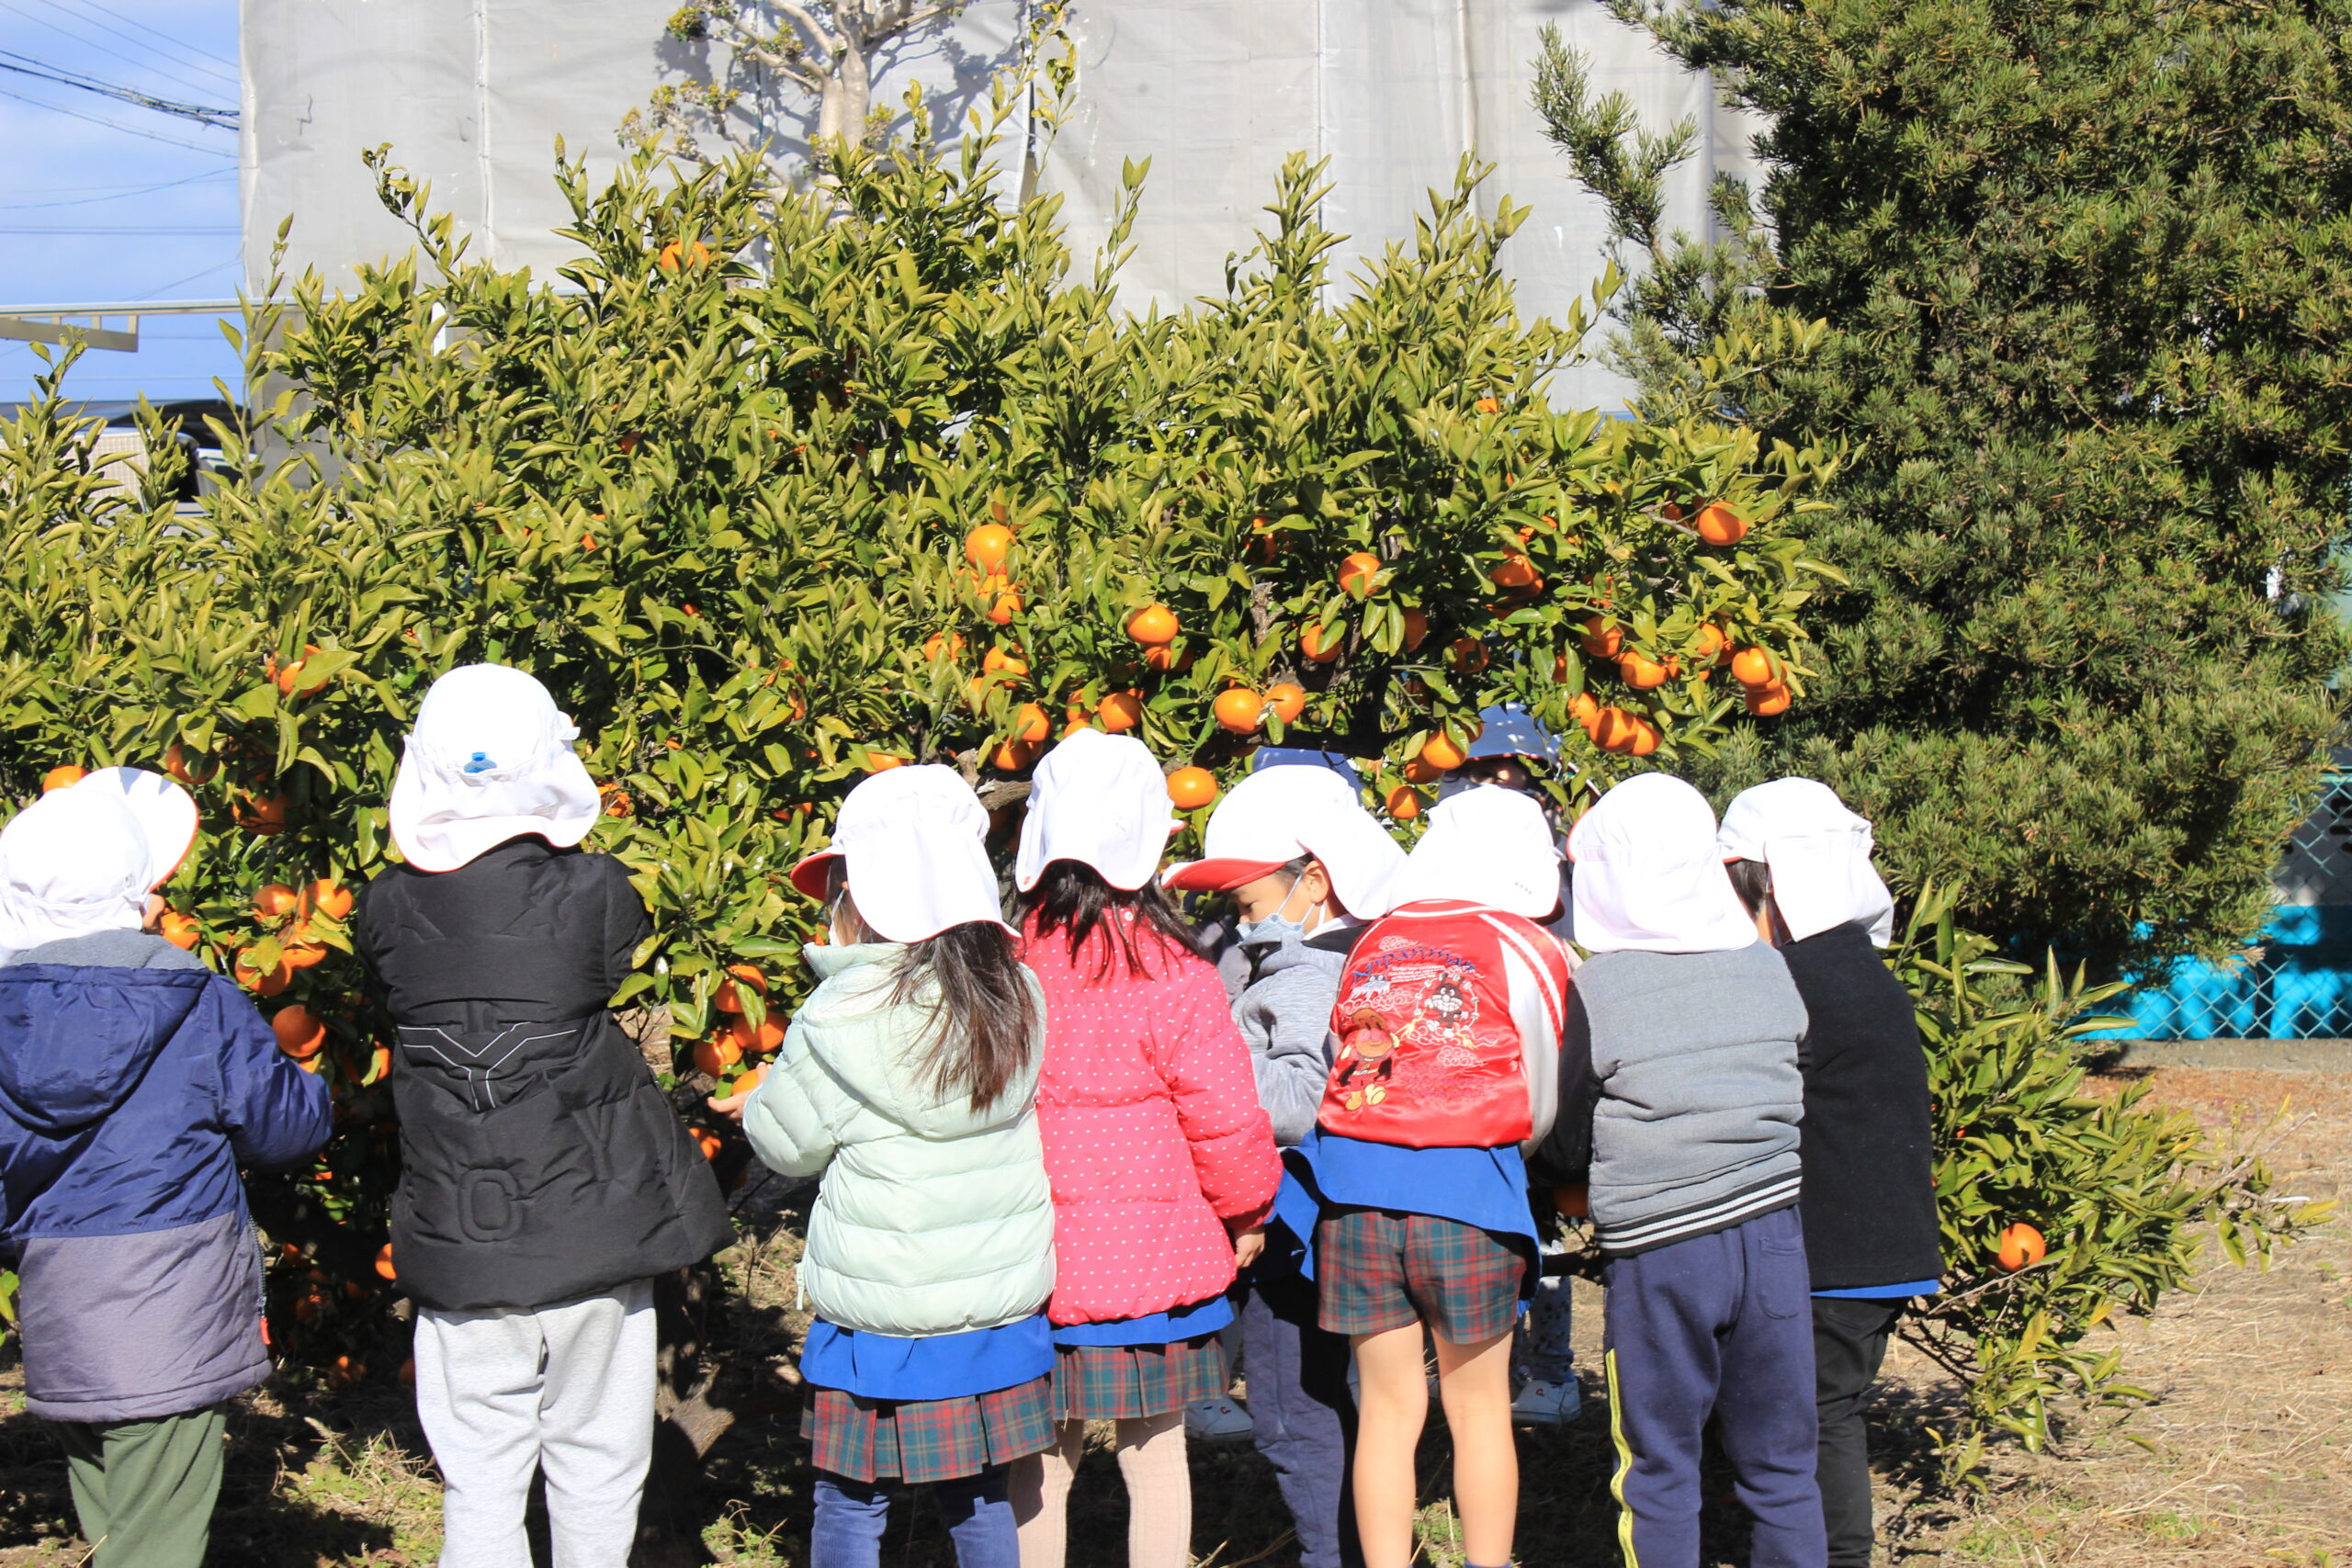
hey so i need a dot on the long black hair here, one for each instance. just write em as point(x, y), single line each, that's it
point(984, 1018)
point(1752, 880)
point(1072, 897)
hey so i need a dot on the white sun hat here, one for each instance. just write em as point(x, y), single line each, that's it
point(914, 840)
point(1649, 875)
point(1819, 853)
point(490, 759)
point(1275, 815)
point(165, 812)
point(74, 862)
point(1101, 800)
point(1485, 845)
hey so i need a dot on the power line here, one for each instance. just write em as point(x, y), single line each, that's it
point(114, 125)
point(232, 74)
point(111, 193)
point(221, 120)
point(136, 40)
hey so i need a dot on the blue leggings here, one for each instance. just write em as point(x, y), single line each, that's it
point(852, 1516)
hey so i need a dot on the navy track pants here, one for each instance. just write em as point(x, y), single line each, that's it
point(1719, 1324)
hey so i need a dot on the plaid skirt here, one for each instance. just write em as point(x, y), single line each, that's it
point(1379, 1269)
point(1116, 1383)
point(925, 1439)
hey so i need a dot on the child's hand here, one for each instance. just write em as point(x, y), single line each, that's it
point(1247, 1246)
point(732, 1106)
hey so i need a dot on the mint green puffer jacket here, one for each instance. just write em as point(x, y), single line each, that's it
point(930, 1218)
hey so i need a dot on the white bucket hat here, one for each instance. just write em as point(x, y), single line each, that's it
point(1486, 845)
point(167, 815)
point(1649, 878)
point(1278, 814)
point(1819, 853)
point(74, 862)
point(489, 760)
point(1101, 800)
point(915, 842)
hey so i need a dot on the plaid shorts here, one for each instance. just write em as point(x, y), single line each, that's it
point(925, 1439)
point(1116, 1383)
point(1379, 1269)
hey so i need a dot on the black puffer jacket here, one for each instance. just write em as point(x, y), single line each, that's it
point(540, 1162)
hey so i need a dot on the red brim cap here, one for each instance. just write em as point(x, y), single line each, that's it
point(1219, 875)
point(809, 875)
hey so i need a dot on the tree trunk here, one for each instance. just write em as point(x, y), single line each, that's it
point(848, 95)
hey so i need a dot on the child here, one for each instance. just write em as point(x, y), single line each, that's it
point(544, 1179)
point(1300, 857)
point(1801, 863)
point(1448, 1020)
point(1679, 1092)
point(1162, 1162)
point(906, 1082)
point(1512, 750)
point(133, 1083)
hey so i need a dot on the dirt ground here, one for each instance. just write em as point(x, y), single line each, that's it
point(2245, 1460)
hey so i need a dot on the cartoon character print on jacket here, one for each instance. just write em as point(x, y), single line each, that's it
point(1433, 1028)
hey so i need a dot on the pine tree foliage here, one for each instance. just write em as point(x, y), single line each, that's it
point(2070, 287)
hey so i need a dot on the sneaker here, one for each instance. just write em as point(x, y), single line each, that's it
point(1542, 1404)
point(1219, 1420)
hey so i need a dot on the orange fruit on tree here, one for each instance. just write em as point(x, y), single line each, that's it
point(947, 645)
point(1288, 699)
point(1752, 667)
point(1613, 729)
point(1356, 574)
point(1154, 626)
point(1007, 605)
point(276, 901)
point(384, 1262)
point(618, 805)
point(1640, 671)
point(709, 1141)
point(379, 1064)
point(1516, 571)
point(1404, 803)
point(181, 931)
point(1600, 639)
point(1584, 710)
point(261, 983)
point(1766, 701)
point(1311, 643)
point(1013, 756)
point(1160, 656)
point(1573, 1201)
point(749, 1042)
point(261, 814)
point(1710, 643)
point(299, 1033)
point(1191, 788)
point(1438, 752)
point(332, 899)
point(677, 252)
point(989, 546)
point(304, 955)
point(882, 761)
point(746, 1082)
point(729, 999)
point(291, 681)
point(1029, 723)
point(1489, 405)
point(175, 762)
point(2020, 1244)
point(1120, 711)
point(64, 776)
point(1719, 524)
point(1239, 710)
point(713, 1056)
point(997, 661)
point(1417, 629)
point(1420, 771)
point(1466, 655)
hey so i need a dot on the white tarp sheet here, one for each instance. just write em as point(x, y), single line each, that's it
point(471, 95)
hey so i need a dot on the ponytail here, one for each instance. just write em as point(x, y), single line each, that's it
point(984, 1015)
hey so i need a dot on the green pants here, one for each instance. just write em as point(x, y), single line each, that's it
point(144, 1490)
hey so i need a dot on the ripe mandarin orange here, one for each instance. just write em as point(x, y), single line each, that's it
point(1239, 710)
point(1288, 699)
point(989, 546)
point(1153, 626)
point(1356, 574)
point(1191, 788)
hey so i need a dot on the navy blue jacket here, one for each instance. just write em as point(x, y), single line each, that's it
point(133, 1083)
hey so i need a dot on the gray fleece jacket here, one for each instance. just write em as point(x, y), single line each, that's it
point(1679, 1093)
point(1284, 1011)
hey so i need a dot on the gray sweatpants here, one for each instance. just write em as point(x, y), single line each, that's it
point(567, 1390)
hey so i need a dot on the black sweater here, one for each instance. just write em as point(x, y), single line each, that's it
point(1870, 1199)
point(540, 1161)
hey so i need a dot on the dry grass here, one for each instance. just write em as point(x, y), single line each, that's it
point(2248, 1460)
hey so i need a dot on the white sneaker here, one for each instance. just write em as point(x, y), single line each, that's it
point(1218, 1420)
point(1542, 1404)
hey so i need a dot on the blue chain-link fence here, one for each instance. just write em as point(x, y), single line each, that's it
point(2296, 982)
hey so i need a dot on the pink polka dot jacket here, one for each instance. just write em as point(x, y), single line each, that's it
point(1154, 1137)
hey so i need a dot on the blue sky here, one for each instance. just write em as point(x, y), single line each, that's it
point(154, 196)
